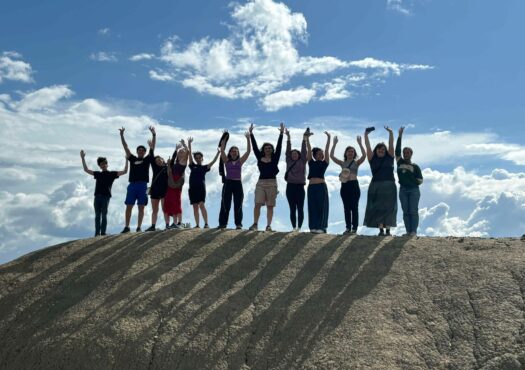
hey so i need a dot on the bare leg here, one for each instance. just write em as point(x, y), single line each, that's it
point(129, 208)
point(269, 215)
point(154, 210)
point(202, 206)
point(256, 213)
point(196, 213)
point(141, 216)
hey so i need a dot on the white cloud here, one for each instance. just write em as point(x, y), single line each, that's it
point(104, 31)
point(14, 69)
point(398, 6)
point(260, 57)
point(287, 98)
point(142, 56)
point(43, 98)
point(104, 56)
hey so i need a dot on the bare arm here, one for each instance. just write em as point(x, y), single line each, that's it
point(288, 144)
point(279, 146)
point(224, 157)
point(248, 150)
point(369, 153)
point(390, 141)
point(363, 151)
point(327, 148)
point(125, 171)
point(190, 154)
point(332, 152)
point(123, 141)
point(86, 169)
point(210, 165)
point(153, 138)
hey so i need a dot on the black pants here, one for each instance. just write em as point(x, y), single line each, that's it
point(350, 194)
point(231, 189)
point(295, 194)
point(101, 210)
point(318, 207)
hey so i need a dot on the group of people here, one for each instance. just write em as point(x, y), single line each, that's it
point(169, 176)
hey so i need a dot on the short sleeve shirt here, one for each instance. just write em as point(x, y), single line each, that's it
point(104, 182)
point(198, 174)
point(139, 168)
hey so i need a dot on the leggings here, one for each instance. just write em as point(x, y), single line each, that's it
point(350, 194)
point(100, 204)
point(295, 194)
point(231, 189)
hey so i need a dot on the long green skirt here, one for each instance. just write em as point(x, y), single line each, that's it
point(381, 204)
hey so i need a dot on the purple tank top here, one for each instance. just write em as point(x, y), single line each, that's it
point(233, 170)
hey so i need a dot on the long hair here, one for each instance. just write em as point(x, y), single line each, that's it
point(267, 144)
point(315, 151)
point(346, 150)
point(379, 145)
point(295, 151)
point(230, 151)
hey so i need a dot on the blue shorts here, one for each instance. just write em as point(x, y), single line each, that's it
point(137, 192)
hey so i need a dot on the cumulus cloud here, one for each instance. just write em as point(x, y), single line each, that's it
point(104, 56)
point(287, 98)
point(398, 6)
point(142, 56)
point(13, 68)
point(260, 58)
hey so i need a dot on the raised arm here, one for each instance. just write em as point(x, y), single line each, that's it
point(390, 141)
point(309, 148)
point(224, 157)
point(332, 152)
point(369, 152)
point(86, 169)
point(327, 148)
point(125, 171)
point(303, 148)
point(248, 149)
point(398, 143)
point(210, 165)
point(279, 146)
point(288, 144)
point(190, 153)
point(153, 137)
point(256, 150)
point(363, 151)
point(123, 141)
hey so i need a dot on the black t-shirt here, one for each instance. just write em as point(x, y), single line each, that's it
point(160, 173)
point(104, 181)
point(139, 168)
point(317, 169)
point(198, 174)
point(382, 168)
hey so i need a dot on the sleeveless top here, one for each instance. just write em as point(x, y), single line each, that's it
point(233, 170)
point(348, 168)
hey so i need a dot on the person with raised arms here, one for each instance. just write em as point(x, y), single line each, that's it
point(350, 191)
point(232, 186)
point(381, 205)
point(318, 202)
point(138, 179)
point(176, 177)
point(410, 178)
point(266, 188)
point(103, 183)
point(197, 189)
point(159, 185)
point(295, 177)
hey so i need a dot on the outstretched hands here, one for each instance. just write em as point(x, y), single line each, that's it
point(178, 146)
point(336, 140)
point(247, 134)
point(359, 140)
point(150, 143)
point(250, 129)
point(122, 129)
point(389, 129)
point(401, 130)
point(281, 127)
point(152, 130)
point(190, 140)
point(82, 153)
point(327, 134)
point(287, 133)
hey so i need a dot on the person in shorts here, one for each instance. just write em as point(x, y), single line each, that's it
point(104, 181)
point(266, 188)
point(197, 189)
point(159, 185)
point(138, 179)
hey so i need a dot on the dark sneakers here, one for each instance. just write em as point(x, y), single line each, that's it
point(151, 228)
point(125, 230)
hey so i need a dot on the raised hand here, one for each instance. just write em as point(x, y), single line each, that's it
point(359, 140)
point(82, 154)
point(401, 129)
point(183, 143)
point(190, 140)
point(178, 146)
point(327, 134)
point(122, 130)
point(152, 129)
point(389, 129)
point(150, 143)
point(336, 140)
point(250, 130)
point(281, 127)
point(247, 133)
point(287, 133)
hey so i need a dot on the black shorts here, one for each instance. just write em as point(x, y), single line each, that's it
point(197, 194)
point(158, 191)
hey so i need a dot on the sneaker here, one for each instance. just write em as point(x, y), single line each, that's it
point(316, 231)
point(381, 232)
point(413, 233)
point(103, 234)
point(238, 227)
point(387, 233)
point(174, 226)
point(125, 230)
point(196, 227)
point(347, 232)
point(206, 226)
point(269, 228)
point(138, 229)
point(253, 227)
point(353, 231)
point(221, 227)
point(151, 228)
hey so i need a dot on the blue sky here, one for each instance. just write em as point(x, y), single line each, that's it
point(72, 72)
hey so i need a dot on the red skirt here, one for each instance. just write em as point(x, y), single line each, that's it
point(173, 200)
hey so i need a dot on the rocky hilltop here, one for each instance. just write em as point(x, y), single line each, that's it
point(195, 299)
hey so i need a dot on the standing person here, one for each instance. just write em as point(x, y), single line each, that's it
point(318, 205)
point(381, 205)
point(159, 186)
point(410, 177)
point(350, 192)
point(138, 178)
point(197, 190)
point(104, 180)
point(176, 178)
point(295, 178)
point(266, 188)
point(232, 186)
